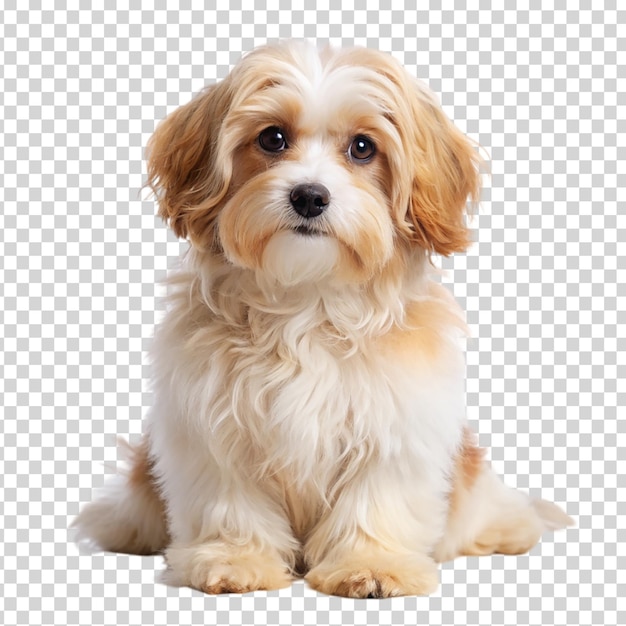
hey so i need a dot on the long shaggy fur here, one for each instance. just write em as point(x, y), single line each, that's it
point(309, 409)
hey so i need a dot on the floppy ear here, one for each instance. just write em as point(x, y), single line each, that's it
point(184, 169)
point(445, 171)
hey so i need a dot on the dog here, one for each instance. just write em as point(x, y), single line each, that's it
point(309, 415)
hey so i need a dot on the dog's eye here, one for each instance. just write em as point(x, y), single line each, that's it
point(362, 148)
point(272, 139)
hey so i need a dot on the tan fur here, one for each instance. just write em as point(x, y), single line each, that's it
point(216, 568)
point(309, 414)
point(469, 464)
point(184, 169)
point(425, 327)
point(438, 211)
point(141, 472)
point(375, 574)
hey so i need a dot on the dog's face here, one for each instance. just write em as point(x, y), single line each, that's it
point(304, 164)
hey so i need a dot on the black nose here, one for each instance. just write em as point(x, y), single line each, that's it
point(309, 199)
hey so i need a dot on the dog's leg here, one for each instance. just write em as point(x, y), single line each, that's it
point(223, 566)
point(243, 545)
point(376, 539)
point(229, 532)
point(487, 517)
point(129, 515)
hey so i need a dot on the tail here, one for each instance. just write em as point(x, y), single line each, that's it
point(129, 516)
point(487, 517)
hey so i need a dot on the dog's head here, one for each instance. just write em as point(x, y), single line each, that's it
point(305, 164)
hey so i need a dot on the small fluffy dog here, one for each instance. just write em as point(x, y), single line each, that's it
point(309, 413)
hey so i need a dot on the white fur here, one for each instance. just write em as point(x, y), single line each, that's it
point(291, 258)
point(282, 400)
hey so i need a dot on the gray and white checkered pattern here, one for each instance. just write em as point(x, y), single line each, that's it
point(540, 84)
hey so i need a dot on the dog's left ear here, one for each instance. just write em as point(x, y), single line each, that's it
point(444, 170)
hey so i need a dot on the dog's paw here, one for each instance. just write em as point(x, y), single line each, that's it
point(376, 577)
point(243, 575)
point(517, 533)
point(218, 568)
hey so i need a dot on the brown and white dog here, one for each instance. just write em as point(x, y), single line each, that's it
point(309, 412)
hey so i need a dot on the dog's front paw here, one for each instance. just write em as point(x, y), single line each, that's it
point(220, 568)
point(380, 576)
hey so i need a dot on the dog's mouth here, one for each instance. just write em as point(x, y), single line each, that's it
point(307, 231)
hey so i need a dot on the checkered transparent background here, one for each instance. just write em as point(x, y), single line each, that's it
point(541, 85)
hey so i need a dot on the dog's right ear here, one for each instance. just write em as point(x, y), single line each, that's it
point(185, 171)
